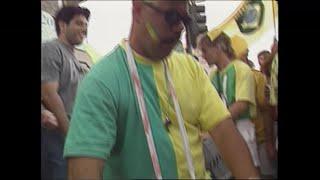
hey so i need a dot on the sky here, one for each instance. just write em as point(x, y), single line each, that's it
point(110, 21)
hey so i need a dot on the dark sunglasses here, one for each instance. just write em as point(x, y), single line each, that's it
point(172, 17)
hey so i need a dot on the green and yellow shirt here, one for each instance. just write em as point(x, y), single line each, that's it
point(236, 83)
point(106, 121)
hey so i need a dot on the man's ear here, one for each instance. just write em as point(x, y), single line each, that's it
point(62, 25)
point(136, 7)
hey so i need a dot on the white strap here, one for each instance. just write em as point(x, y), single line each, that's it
point(143, 112)
point(224, 89)
point(183, 132)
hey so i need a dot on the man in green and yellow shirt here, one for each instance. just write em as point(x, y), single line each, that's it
point(106, 139)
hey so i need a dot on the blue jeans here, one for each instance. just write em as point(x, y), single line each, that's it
point(53, 166)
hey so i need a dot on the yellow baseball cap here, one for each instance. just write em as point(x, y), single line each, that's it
point(214, 33)
point(239, 45)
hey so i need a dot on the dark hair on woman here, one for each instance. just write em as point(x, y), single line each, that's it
point(264, 52)
point(67, 13)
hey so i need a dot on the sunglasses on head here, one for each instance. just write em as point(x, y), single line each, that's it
point(172, 17)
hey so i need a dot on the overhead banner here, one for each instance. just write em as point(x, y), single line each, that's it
point(251, 20)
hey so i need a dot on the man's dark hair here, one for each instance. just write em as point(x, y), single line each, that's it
point(67, 13)
point(264, 52)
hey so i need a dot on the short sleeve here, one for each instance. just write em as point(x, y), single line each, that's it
point(245, 88)
point(51, 63)
point(212, 110)
point(92, 131)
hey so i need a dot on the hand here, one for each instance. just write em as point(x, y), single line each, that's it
point(274, 47)
point(48, 120)
point(204, 135)
point(271, 150)
point(85, 69)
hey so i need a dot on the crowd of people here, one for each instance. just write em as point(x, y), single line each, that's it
point(246, 93)
point(147, 111)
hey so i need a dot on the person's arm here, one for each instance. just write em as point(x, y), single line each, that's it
point(53, 103)
point(238, 108)
point(48, 120)
point(93, 128)
point(274, 50)
point(51, 66)
point(233, 150)
point(85, 168)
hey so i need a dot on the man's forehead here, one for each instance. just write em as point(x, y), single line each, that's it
point(170, 4)
point(79, 17)
point(168, 1)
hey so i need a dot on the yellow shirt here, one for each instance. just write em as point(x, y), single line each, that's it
point(236, 83)
point(262, 103)
point(110, 128)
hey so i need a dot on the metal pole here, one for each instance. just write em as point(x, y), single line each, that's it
point(274, 20)
point(188, 40)
point(188, 33)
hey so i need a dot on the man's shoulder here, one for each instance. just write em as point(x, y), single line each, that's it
point(242, 67)
point(109, 72)
point(257, 72)
point(182, 59)
point(111, 64)
point(240, 64)
point(180, 56)
point(52, 50)
point(114, 57)
point(51, 44)
point(259, 76)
